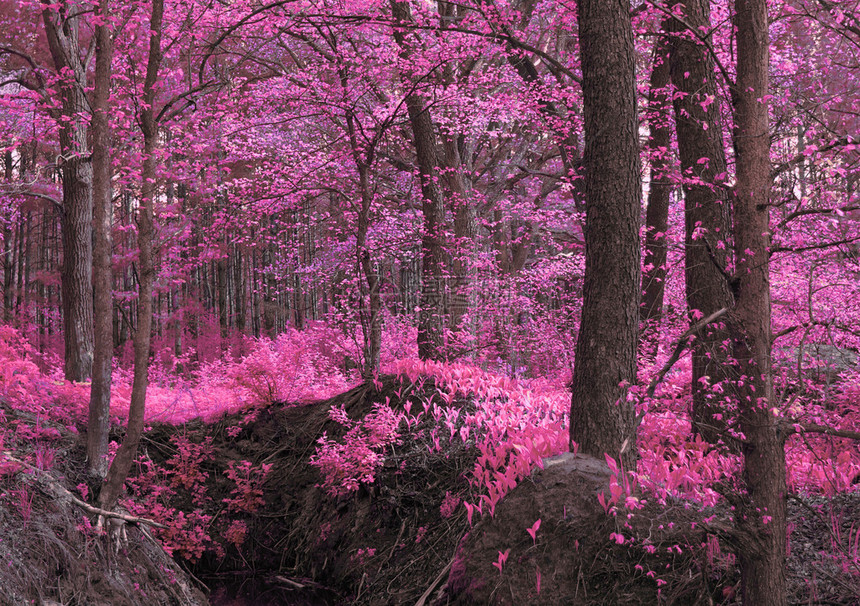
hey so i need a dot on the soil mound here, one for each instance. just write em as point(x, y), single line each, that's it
point(579, 554)
point(51, 553)
point(382, 544)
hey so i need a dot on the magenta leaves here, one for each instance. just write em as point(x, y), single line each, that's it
point(185, 466)
point(248, 494)
point(503, 557)
point(354, 461)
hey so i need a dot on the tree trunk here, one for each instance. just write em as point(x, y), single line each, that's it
point(77, 170)
point(762, 517)
point(239, 288)
point(222, 288)
point(461, 206)
point(659, 193)
point(99, 413)
point(431, 304)
point(601, 418)
point(7, 260)
point(463, 209)
point(124, 458)
point(706, 212)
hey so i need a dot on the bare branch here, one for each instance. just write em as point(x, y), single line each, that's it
point(780, 249)
point(681, 345)
point(827, 323)
point(801, 157)
point(815, 211)
point(797, 428)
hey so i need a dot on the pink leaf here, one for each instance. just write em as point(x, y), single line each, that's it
point(533, 530)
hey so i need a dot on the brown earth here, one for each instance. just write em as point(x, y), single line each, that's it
point(389, 543)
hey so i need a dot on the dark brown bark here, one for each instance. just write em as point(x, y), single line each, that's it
point(21, 261)
point(98, 425)
point(464, 236)
point(8, 255)
point(762, 514)
point(659, 190)
point(222, 289)
point(239, 288)
point(601, 418)
point(77, 172)
point(706, 211)
point(460, 205)
point(124, 458)
point(431, 301)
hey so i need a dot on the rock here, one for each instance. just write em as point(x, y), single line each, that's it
point(564, 496)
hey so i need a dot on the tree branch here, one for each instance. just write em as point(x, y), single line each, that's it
point(795, 428)
point(780, 249)
point(827, 323)
point(681, 345)
point(801, 157)
point(815, 211)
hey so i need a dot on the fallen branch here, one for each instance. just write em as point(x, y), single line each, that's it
point(57, 491)
point(423, 599)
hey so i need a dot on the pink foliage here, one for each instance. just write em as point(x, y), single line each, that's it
point(248, 493)
point(348, 464)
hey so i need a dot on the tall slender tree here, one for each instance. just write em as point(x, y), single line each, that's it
point(121, 465)
point(707, 222)
point(659, 188)
point(761, 513)
point(62, 22)
point(99, 412)
point(430, 317)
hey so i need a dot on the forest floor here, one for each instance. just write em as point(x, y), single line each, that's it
point(394, 542)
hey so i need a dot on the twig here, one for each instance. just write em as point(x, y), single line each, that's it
point(680, 346)
point(423, 599)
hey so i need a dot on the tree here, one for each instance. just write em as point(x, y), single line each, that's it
point(601, 417)
point(430, 331)
point(707, 221)
point(761, 513)
point(659, 189)
point(122, 462)
point(99, 411)
point(62, 22)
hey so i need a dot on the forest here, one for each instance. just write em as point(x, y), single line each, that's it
point(429, 302)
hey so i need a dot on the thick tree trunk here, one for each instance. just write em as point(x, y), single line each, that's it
point(601, 418)
point(77, 171)
point(762, 517)
point(124, 458)
point(99, 412)
point(706, 213)
point(659, 192)
point(431, 303)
